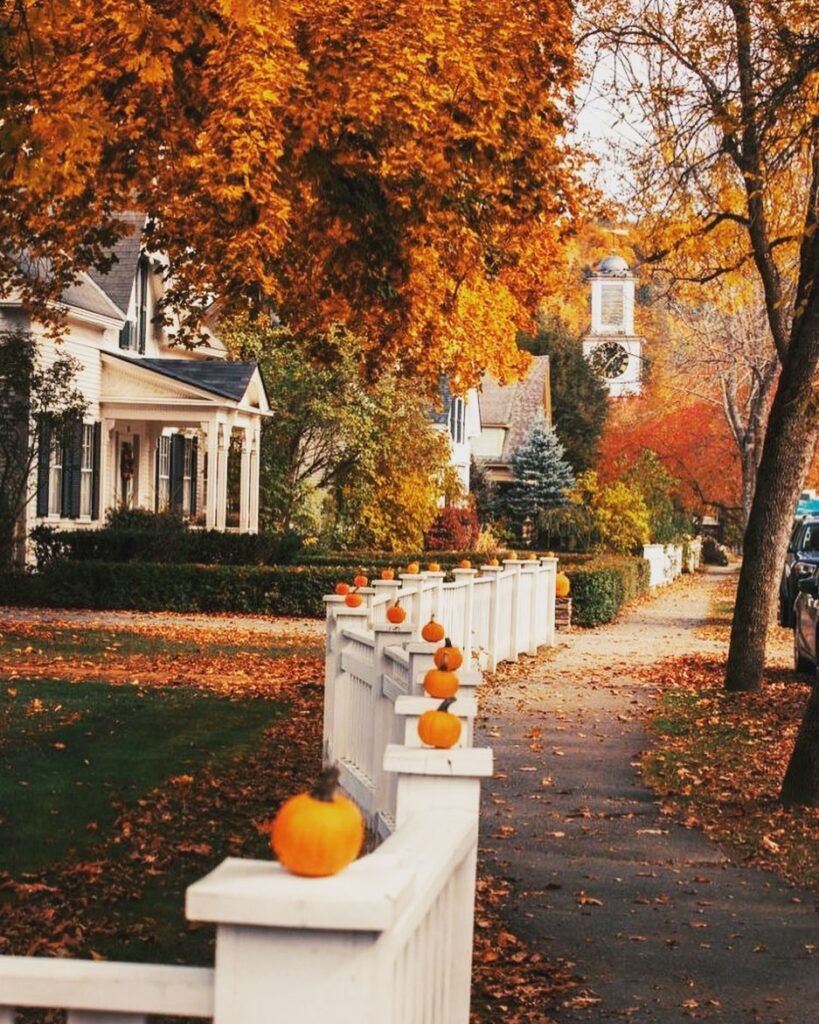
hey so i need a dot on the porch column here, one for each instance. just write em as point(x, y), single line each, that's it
point(222, 475)
point(244, 485)
point(212, 430)
point(255, 456)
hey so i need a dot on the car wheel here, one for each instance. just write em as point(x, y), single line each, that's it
point(801, 664)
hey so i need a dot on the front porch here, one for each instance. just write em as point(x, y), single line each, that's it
point(183, 436)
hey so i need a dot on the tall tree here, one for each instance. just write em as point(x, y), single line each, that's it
point(29, 390)
point(726, 93)
point(398, 168)
point(579, 397)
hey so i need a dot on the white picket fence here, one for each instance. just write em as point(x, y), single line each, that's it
point(388, 940)
point(374, 670)
point(668, 561)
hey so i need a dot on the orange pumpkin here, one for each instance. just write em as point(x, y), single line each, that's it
point(493, 561)
point(531, 556)
point(388, 574)
point(342, 589)
point(433, 631)
point(439, 728)
point(464, 564)
point(413, 568)
point(318, 833)
point(562, 585)
point(448, 657)
point(441, 683)
point(434, 567)
point(396, 614)
point(360, 580)
point(550, 554)
point(353, 600)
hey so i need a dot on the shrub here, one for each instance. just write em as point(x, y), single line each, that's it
point(713, 553)
point(454, 528)
point(162, 542)
point(601, 586)
point(143, 586)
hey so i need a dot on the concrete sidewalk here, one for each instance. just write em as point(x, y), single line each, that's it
point(661, 926)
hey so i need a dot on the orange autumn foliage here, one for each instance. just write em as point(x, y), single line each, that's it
point(396, 168)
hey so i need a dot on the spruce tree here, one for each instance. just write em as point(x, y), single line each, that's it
point(542, 475)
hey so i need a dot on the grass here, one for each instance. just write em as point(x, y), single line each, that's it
point(74, 643)
point(73, 755)
point(115, 795)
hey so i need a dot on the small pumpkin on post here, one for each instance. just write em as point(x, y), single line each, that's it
point(563, 585)
point(441, 682)
point(438, 728)
point(396, 614)
point(433, 631)
point(318, 833)
point(448, 656)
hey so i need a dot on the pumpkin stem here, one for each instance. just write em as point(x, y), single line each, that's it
point(325, 786)
point(445, 704)
point(447, 642)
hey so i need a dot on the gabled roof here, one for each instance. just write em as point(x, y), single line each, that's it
point(516, 407)
point(118, 282)
point(216, 376)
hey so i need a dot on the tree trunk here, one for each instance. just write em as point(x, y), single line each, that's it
point(789, 440)
point(800, 787)
point(749, 469)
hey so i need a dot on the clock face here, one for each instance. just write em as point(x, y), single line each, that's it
point(610, 359)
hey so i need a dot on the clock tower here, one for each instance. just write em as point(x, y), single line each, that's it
point(611, 346)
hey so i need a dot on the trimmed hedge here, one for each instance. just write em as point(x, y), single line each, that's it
point(153, 586)
point(180, 545)
point(601, 586)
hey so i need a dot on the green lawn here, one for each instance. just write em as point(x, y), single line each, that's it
point(72, 754)
point(62, 643)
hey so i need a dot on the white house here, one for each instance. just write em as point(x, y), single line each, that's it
point(165, 428)
point(507, 414)
point(460, 419)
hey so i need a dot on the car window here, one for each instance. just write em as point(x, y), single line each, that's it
point(810, 538)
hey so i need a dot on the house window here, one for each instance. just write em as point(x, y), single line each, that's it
point(87, 471)
point(163, 475)
point(134, 333)
point(457, 420)
point(55, 474)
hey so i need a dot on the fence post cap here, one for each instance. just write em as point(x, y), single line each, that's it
point(491, 568)
point(462, 706)
point(333, 599)
point(422, 647)
point(398, 631)
point(366, 896)
point(461, 762)
point(464, 572)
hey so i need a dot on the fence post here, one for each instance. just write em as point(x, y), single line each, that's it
point(516, 566)
point(450, 780)
point(339, 618)
point(409, 709)
point(420, 660)
point(530, 568)
point(383, 716)
point(381, 587)
point(411, 583)
point(549, 566)
point(469, 609)
point(493, 571)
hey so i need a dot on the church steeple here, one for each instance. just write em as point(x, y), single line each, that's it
point(611, 346)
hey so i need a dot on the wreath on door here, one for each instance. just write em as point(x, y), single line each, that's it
point(126, 461)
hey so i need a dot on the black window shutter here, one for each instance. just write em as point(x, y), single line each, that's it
point(72, 469)
point(43, 452)
point(95, 476)
point(125, 334)
point(177, 470)
point(142, 304)
point(194, 467)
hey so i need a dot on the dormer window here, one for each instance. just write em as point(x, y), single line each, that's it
point(457, 420)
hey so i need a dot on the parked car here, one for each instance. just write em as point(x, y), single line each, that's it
point(806, 625)
point(801, 562)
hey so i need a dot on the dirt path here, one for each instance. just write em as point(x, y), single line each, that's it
point(660, 925)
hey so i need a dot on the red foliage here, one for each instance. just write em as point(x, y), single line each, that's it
point(692, 441)
point(454, 529)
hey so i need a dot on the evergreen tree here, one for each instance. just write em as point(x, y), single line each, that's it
point(579, 398)
point(542, 475)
